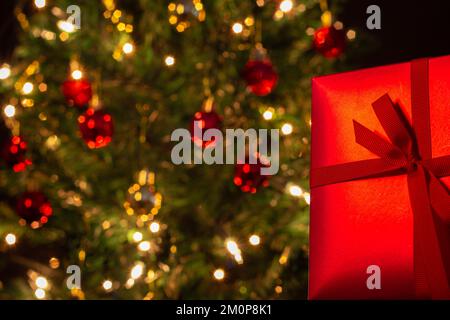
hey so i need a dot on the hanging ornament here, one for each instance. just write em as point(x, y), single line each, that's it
point(34, 207)
point(13, 152)
point(96, 128)
point(77, 91)
point(142, 198)
point(329, 41)
point(248, 176)
point(259, 74)
point(203, 120)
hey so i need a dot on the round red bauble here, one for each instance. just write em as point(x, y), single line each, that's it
point(260, 76)
point(13, 152)
point(329, 41)
point(77, 92)
point(248, 177)
point(203, 121)
point(96, 128)
point(34, 207)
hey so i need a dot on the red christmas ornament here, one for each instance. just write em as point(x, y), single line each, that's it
point(329, 41)
point(77, 92)
point(260, 76)
point(203, 121)
point(34, 207)
point(248, 176)
point(96, 128)
point(14, 154)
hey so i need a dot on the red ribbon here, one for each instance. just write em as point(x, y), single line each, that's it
point(408, 152)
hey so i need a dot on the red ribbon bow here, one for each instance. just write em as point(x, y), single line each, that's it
point(408, 152)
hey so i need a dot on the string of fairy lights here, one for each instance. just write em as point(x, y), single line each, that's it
point(29, 80)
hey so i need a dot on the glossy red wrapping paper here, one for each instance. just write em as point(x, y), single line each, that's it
point(366, 222)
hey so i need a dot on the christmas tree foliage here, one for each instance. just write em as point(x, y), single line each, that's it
point(86, 173)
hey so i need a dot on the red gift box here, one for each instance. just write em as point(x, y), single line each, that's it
point(380, 178)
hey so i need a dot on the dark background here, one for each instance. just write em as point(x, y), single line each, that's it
point(410, 29)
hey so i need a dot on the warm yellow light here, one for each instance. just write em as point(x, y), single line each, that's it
point(129, 28)
point(238, 258)
point(53, 142)
point(278, 15)
point(169, 61)
point(82, 255)
point(117, 13)
point(9, 110)
point(232, 247)
point(173, 19)
point(326, 18)
point(39, 3)
point(27, 88)
point(310, 31)
point(137, 270)
point(180, 8)
point(144, 246)
point(219, 274)
point(268, 115)
point(106, 225)
point(279, 289)
point(114, 19)
point(127, 48)
point(249, 21)
point(39, 293)
point(198, 6)
point(237, 27)
point(351, 34)
point(54, 263)
point(181, 27)
point(137, 236)
point(63, 36)
point(27, 103)
point(295, 190)
point(138, 196)
point(66, 26)
point(48, 35)
point(254, 240)
point(287, 129)
point(121, 26)
point(5, 72)
point(154, 227)
point(286, 5)
point(283, 259)
point(338, 25)
point(77, 74)
point(107, 285)
point(10, 239)
point(41, 282)
point(172, 6)
point(307, 198)
point(129, 284)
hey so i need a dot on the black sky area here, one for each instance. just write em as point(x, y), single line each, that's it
point(410, 29)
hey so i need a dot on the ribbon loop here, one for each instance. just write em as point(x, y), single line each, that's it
point(375, 143)
point(393, 123)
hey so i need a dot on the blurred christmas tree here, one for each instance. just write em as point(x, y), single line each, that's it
point(87, 177)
